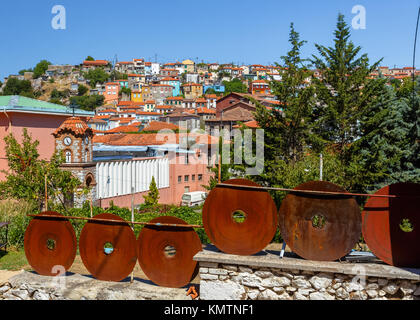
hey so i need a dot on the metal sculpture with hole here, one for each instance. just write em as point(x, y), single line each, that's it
point(50, 243)
point(166, 253)
point(239, 220)
point(318, 226)
point(108, 249)
point(391, 226)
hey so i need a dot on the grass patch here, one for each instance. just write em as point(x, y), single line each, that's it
point(13, 260)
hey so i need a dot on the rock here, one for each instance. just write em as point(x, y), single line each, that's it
point(221, 290)
point(391, 288)
point(276, 282)
point(284, 296)
point(407, 287)
point(204, 264)
point(339, 278)
point(320, 296)
point(204, 270)
point(372, 286)
point(9, 296)
point(230, 267)
point(342, 293)
point(331, 291)
point(268, 295)
point(283, 274)
point(22, 294)
point(300, 282)
point(382, 282)
point(352, 286)
point(246, 279)
point(298, 296)
point(245, 269)
point(417, 291)
point(39, 295)
point(381, 293)
point(279, 289)
point(263, 274)
point(253, 294)
point(372, 293)
point(408, 298)
point(206, 276)
point(305, 292)
point(337, 285)
point(223, 277)
point(4, 289)
point(291, 289)
point(322, 280)
point(218, 271)
point(358, 295)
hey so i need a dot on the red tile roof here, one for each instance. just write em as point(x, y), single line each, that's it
point(95, 63)
point(159, 125)
point(75, 125)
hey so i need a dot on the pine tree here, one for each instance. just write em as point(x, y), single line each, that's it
point(151, 199)
point(343, 90)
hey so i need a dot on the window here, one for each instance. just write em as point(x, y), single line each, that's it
point(186, 178)
point(200, 177)
point(68, 156)
point(193, 177)
point(179, 179)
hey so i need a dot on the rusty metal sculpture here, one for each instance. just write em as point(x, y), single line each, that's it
point(383, 221)
point(318, 220)
point(166, 253)
point(255, 224)
point(50, 243)
point(320, 227)
point(118, 261)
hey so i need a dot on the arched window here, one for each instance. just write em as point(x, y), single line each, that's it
point(68, 156)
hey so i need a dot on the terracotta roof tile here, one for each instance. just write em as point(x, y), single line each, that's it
point(75, 125)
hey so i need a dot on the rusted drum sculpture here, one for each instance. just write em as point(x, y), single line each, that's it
point(118, 260)
point(165, 253)
point(318, 226)
point(50, 244)
point(391, 226)
point(240, 220)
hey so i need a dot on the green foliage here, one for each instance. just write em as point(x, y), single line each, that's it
point(152, 197)
point(210, 91)
point(15, 212)
point(88, 103)
point(40, 68)
point(125, 90)
point(97, 75)
point(89, 58)
point(82, 90)
point(22, 72)
point(235, 85)
point(25, 178)
point(15, 86)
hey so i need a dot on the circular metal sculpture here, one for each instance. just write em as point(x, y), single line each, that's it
point(166, 253)
point(50, 244)
point(108, 249)
point(318, 226)
point(391, 226)
point(239, 220)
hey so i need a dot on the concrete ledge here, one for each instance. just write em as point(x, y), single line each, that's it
point(268, 260)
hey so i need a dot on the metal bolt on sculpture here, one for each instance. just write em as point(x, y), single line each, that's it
point(318, 220)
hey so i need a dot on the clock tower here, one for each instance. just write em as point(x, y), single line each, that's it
point(74, 139)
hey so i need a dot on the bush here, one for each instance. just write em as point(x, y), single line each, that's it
point(16, 213)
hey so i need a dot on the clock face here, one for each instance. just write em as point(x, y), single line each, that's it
point(67, 141)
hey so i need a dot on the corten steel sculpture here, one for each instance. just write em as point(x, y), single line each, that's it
point(318, 220)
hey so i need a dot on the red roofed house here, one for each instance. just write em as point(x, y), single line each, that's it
point(111, 92)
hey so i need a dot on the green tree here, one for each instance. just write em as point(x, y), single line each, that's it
point(152, 198)
point(40, 68)
point(97, 75)
point(343, 90)
point(82, 90)
point(235, 85)
point(25, 178)
point(15, 86)
point(89, 58)
point(88, 103)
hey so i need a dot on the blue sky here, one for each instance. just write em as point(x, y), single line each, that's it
point(213, 31)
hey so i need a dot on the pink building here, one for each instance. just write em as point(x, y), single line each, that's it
point(39, 117)
point(111, 92)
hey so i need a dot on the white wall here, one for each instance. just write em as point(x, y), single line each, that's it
point(115, 178)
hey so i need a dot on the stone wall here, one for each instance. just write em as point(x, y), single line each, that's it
point(228, 277)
